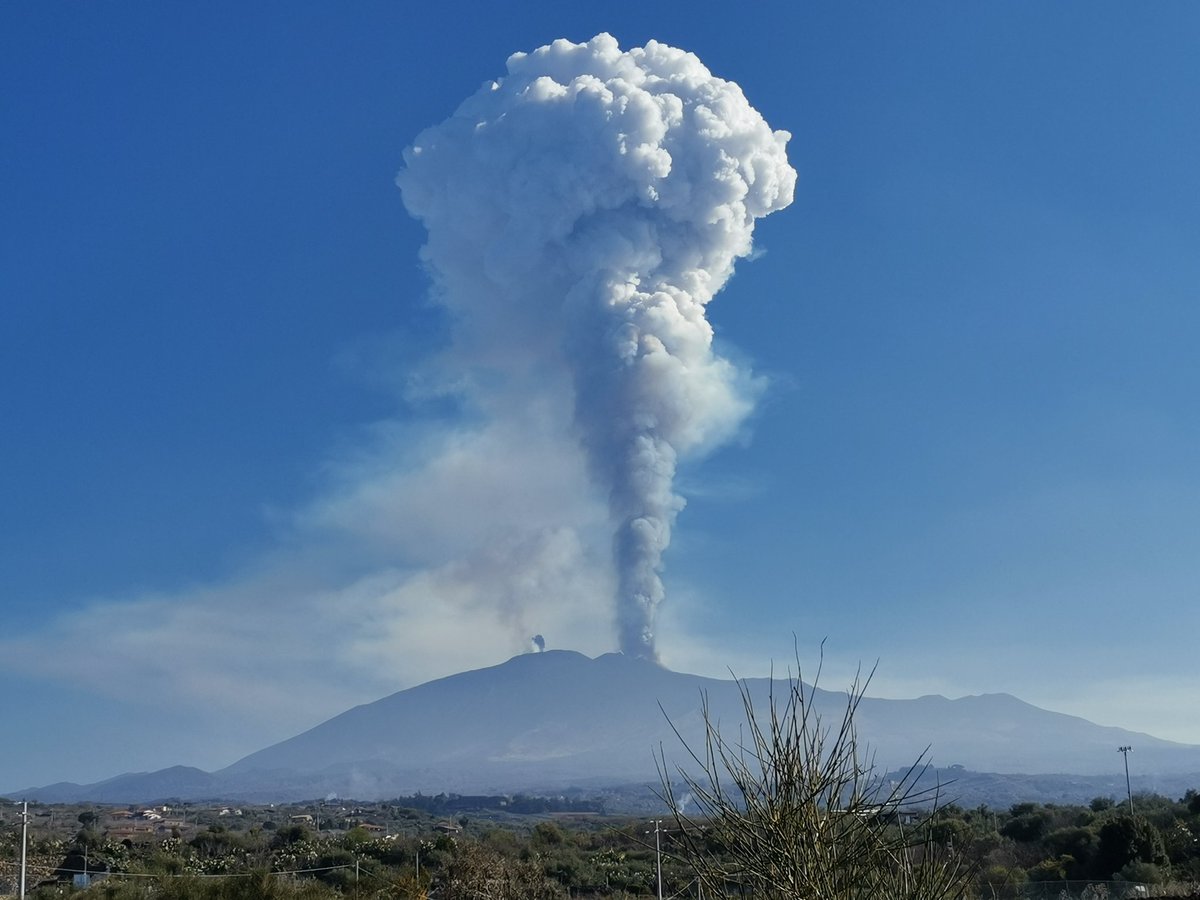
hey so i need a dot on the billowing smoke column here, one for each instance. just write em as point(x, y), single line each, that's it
point(587, 206)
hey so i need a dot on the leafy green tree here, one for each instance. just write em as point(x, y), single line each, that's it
point(290, 834)
point(1027, 827)
point(356, 837)
point(215, 842)
point(1143, 873)
point(548, 834)
point(1078, 843)
point(1054, 869)
point(1124, 840)
point(950, 832)
point(1192, 800)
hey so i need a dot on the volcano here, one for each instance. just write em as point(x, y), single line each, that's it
point(548, 721)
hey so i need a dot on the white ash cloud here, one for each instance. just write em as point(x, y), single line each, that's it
point(581, 212)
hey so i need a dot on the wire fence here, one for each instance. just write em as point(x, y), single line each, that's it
point(84, 877)
point(1089, 890)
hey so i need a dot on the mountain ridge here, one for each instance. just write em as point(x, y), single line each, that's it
point(551, 720)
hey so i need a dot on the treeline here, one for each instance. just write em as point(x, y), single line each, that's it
point(520, 804)
point(1158, 843)
point(1055, 849)
point(544, 862)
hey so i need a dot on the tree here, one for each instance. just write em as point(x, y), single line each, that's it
point(294, 833)
point(1128, 839)
point(1026, 827)
point(1192, 800)
point(1076, 842)
point(794, 810)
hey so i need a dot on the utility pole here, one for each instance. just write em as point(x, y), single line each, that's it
point(24, 842)
point(1124, 751)
point(658, 855)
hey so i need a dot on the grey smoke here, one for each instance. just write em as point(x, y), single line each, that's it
point(539, 643)
point(682, 805)
point(581, 212)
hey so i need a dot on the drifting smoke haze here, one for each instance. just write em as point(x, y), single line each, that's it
point(581, 212)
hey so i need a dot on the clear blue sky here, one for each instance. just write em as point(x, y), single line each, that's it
point(227, 516)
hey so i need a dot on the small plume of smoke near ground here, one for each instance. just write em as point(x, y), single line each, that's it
point(581, 213)
point(682, 805)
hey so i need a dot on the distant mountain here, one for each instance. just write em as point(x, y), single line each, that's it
point(547, 721)
point(177, 781)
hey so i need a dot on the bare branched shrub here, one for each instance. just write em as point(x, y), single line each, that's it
point(793, 809)
point(479, 872)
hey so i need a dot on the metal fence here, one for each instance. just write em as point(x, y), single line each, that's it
point(1088, 890)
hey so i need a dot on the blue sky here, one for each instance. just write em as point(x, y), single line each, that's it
point(228, 514)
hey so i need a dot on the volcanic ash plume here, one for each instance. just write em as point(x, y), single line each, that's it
point(582, 211)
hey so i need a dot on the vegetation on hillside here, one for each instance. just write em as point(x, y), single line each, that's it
point(392, 851)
